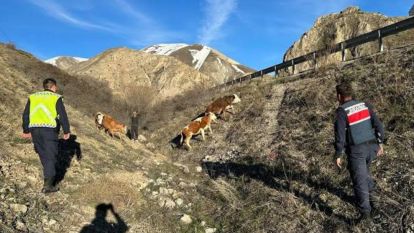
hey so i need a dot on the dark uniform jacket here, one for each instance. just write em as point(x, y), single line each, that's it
point(356, 123)
point(134, 122)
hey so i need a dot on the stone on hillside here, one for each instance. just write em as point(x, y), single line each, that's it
point(179, 201)
point(159, 181)
point(183, 167)
point(211, 230)
point(203, 223)
point(32, 180)
point(142, 138)
point(186, 219)
point(165, 191)
point(18, 208)
point(22, 185)
point(150, 145)
point(199, 169)
point(20, 226)
point(182, 184)
point(51, 222)
point(166, 202)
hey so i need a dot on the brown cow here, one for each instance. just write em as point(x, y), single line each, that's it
point(196, 127)
point(222, 105)
point(110, 125)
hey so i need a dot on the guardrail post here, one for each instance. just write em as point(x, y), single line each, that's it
point(276, 72)
point(343, 51)
point(380, 45)
point(261, 74)
point(293, 66)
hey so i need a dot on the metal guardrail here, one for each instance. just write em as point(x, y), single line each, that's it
point(376, 35)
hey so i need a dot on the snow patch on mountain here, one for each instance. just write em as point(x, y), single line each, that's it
point(164, 49)
point(54, 59)
point(238, 69)
point(219, 60)
point(200, 56)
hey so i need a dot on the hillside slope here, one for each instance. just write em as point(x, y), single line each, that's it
point(94, 168)
point(239, 188)
point(298, 189)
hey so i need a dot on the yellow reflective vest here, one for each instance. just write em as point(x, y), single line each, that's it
point(43, 109)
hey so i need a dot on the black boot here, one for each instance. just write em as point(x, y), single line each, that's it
point(49, 186)
point(364, 219)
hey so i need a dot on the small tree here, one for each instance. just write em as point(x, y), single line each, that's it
point(139, 98)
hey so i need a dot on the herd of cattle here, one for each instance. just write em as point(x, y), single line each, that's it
point(218, 108)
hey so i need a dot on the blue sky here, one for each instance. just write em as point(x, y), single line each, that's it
point(254, 32)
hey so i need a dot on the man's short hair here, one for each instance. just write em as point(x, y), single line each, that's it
point(344, 89)
point(49, 83)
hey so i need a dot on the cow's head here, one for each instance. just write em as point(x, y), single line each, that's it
point(99, 118)
point(236, 99)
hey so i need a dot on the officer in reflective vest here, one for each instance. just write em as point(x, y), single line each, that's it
point(42, 117)
point(358, 134)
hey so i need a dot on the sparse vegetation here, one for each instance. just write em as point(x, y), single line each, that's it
point(241, 188)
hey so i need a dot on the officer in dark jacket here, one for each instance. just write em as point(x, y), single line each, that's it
point(134, 126)
point(358, 134)
point(42, 117)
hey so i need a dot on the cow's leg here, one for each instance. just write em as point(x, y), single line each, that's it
point(209, 128)
point(187, 140)
point(224, 116)
point(202, 134)
point(111, 133)
point(230, 109)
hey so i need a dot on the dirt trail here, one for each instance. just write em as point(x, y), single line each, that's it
point(270, 113)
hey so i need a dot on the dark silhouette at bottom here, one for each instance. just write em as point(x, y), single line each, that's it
point(67, 150)
point(100, 225)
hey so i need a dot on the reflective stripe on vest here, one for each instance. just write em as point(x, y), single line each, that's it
point(357, 113)
point(43, 109)
point(360, 128)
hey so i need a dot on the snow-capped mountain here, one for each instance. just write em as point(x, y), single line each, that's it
point(202, 58)
point(164, 49)
point(124, 68)
point(65, 62)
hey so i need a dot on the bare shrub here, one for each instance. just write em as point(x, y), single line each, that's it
point(11, 45)
point(140, 98)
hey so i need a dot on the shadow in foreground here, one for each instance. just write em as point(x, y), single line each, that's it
point(276, 178)
point(100, 225)
point(67, 150)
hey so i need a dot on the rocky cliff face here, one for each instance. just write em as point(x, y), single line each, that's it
point(334, 28)
point(123, 68)
point(202, 58)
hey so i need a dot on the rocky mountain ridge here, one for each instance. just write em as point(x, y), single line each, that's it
point(65, 62)
point(335, 28)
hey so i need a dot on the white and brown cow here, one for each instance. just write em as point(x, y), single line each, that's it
point(110, 125)
point(196, 127)
point(222, 105)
